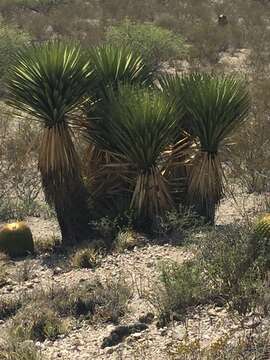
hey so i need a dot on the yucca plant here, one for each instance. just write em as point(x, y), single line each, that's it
point(49, 82)
point(214, 107)
point(136, 126)
point(112, 67)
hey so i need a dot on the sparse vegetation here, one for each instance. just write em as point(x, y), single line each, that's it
point(30, 324)
point(247, 346)
point(228, 268)
point(181, 287)
point(9, 306)
point(11, 349)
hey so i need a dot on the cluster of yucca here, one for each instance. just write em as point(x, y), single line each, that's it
point(150, 138)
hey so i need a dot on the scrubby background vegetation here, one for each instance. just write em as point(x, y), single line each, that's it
point(227, 266)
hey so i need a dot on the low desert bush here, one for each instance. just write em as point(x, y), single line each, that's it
point(23, 271)
point(181, 287)
point(232, 266)
point(86, 258)
point(47, 245)
point(12, 349)
point(179, 225)
point(3, 272)
point(110, 300)
point(20, 193)
point(109, 226)
point(250, 157)
point(229, 267)
point(156, 44)
point(9, 306)
point(11, 40)
point(96, 301)
point(250, 345)
point(37, 322)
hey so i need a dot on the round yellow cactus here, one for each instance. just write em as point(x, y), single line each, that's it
point(16, 239)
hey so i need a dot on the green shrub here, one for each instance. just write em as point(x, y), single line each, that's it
point(11, 40)
point(109, 226)
point(225, 270)
point(231, 268)
point(180, 224)
point(155, 43)
point(181, 286)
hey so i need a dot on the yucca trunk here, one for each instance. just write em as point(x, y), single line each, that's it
point(151, 196)
point(205, 184)
point(62, 183)
point(177, 160)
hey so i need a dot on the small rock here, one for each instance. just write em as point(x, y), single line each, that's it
point(9, 288)
point(147, 318)
point(252, 324)
point(212, 312)
point(136, 336)
point(120, 332)
point(163, 331)
point(179, 332)
point(110, 350)
point(57, 271)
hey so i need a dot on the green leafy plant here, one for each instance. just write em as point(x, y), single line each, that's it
point(155, 43)
point(181, 287)
point(231, 267)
